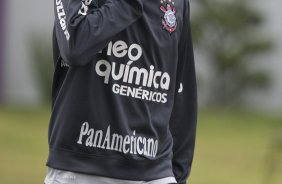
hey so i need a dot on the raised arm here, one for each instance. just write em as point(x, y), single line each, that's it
point(83, 27)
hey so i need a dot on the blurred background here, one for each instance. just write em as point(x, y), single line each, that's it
point(238, 51)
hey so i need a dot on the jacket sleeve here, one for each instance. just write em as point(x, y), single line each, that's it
point(83, 27)
point(184, 116)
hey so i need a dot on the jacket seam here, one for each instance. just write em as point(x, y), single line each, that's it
point(113, 158)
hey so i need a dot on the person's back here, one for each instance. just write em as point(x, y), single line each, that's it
point(124, 91)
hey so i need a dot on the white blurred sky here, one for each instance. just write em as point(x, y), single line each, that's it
point(27, 17)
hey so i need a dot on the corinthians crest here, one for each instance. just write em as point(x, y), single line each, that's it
point(169, 20)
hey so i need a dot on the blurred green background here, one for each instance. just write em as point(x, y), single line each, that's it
point(238, 60)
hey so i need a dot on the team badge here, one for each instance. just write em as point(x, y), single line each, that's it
point(169, 20)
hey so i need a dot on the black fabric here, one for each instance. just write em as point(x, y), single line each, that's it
point(124, 89)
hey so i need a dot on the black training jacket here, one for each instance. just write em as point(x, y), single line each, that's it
point(124, 90)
